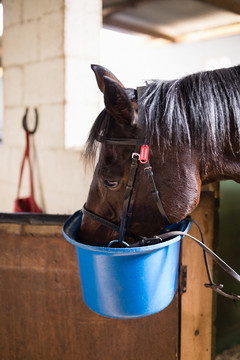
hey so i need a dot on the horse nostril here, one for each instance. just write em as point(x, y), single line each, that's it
point(111, 184)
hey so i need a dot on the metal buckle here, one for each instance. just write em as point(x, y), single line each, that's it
point(119, 242)
point(135, 155)
point(143, 156)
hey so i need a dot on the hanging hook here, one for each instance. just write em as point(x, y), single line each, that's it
point(24, 122)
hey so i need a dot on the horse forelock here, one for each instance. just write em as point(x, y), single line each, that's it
point(99, 128)
point(200, 110)
point(92, 144)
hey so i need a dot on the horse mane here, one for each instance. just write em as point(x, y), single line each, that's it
point(200, 110)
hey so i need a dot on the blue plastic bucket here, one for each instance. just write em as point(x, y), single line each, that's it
point(126, 282)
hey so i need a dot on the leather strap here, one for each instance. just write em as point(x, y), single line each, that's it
point(26, 157)
point(109, 224)
point(101, 220)
point(155, 194)
point(119, 141)
point(127, 198)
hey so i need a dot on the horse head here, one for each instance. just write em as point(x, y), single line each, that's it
point(177, 178)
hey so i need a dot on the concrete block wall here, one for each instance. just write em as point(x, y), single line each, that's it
point(48, 46)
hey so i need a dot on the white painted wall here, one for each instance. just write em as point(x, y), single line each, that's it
point(48, 46)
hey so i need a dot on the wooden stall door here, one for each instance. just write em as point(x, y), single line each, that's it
point(43, 316)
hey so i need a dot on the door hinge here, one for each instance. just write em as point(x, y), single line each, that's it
point(183, 279)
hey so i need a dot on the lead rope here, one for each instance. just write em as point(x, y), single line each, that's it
point(211, 283)
point(217, 287)
point(206, 250)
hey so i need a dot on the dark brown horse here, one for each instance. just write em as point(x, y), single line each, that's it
point(192, 127)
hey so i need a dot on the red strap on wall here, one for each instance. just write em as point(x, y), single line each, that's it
point(26, 157)
point(27, 204)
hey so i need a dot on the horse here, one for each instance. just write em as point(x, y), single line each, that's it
point(190, 130)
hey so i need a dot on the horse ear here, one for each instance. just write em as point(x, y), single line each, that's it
point(100, 72)
point(116, 101)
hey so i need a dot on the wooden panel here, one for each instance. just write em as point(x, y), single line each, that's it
point(196, 307)
point(43, 316)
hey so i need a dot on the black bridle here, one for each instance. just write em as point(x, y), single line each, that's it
point(130, 191)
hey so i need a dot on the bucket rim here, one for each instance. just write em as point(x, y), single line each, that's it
point(73, 224)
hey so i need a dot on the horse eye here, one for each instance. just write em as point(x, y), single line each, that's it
point(110, 184)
